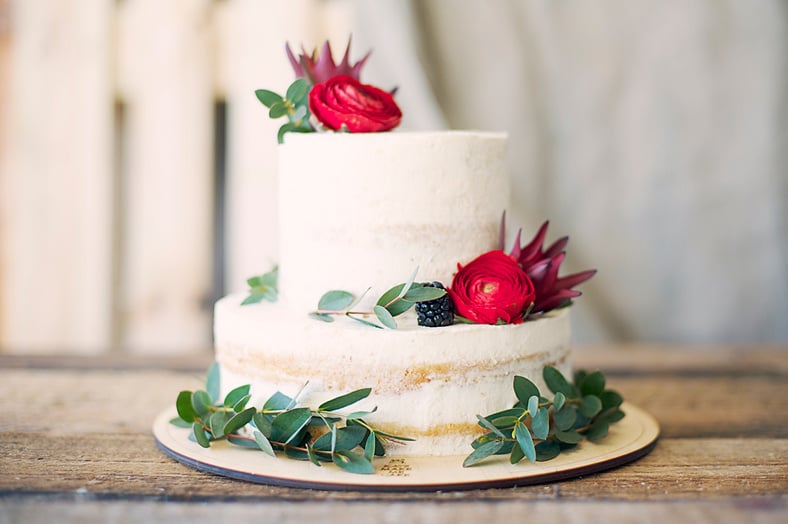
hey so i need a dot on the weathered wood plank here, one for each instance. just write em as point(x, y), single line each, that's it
point(56, 188)
point(35, 509)
point(116, 464)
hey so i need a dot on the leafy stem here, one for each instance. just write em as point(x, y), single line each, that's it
point(394, 302)
point(316, 434)
point(539, 428)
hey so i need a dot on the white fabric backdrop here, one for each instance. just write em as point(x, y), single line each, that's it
point(654, 133)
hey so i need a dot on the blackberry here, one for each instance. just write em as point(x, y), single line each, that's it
point(435, 313)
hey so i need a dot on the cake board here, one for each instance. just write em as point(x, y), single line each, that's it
point(628, 440)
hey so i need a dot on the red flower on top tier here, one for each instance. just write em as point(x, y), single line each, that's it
point(342, 102)
point(492, 289)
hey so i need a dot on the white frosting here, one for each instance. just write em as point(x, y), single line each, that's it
point(364, 210)
point(424, 380)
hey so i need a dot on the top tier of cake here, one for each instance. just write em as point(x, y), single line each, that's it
point(364, 210)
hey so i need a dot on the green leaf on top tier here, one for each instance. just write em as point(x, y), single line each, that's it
point(235, 395)
point(335, 300)
point(268, 98)
point(263, 287)
point(297, 91)
point(393, 302)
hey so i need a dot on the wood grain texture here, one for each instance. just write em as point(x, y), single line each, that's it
point(723, 452)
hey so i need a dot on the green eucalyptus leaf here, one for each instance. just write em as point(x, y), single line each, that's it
point(385, 317)
point(423, 294)
point(541, 424)
point(565, 418)
point(321, 316)
point(278, 109)
point(353, 462)
point(268, 98)
point(558, 401)
point(593, 384)
point(286, 426)
point(598, 431)
point(301, 111)
point(253, 298)
point(505, 422)
point(370, 445)
point(390, 295)
point(235, 395)
point(506, 414)
point(335, 300)
point(516, 455)
point(217, 421)
point(184, 406)
point(360, 414)
point(525, 441)
point(610, 399)
point(524, 389)
point(244, 442)
point(580, 375)
point(533, 405)
point(296, 454)
point(201, 403)
point(212, 382)
point(200, 436)
point(239, 420)
point(347, 438)
point(262, 423)
point(263, 443)
point(570, 437)
point(278, 401)
point(482, 452)
point(549, 449)
point(556, 382)
point(313, 458)
point(241, 404)
point(297, 91)
point(591, 406)
point(345, 400)
point(365, 322)
point(611, 415)
point(179, 422)
point(483, 422)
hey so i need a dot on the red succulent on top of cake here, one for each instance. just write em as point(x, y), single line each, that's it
point(319, 67)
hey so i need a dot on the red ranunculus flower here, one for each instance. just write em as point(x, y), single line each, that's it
point(362, 108)
point(490, 288)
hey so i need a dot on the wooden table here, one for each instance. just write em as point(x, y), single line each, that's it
point(76, 445)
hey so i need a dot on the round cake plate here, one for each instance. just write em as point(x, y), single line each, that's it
point(629, 439)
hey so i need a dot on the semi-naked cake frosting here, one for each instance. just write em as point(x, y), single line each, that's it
point(361, 211)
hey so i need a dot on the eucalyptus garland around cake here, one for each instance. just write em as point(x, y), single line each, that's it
point(536, 427)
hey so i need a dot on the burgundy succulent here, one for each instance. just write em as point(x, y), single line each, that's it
point(542, 265)
point(319, 68)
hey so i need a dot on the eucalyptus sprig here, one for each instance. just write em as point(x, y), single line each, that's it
point(263, 287)
point(538, 428)
point(392, 303)
point(317, 435)
point(294, 105)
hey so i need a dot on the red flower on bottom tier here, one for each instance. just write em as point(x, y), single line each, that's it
point(492, 289)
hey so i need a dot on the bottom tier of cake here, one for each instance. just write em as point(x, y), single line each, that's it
point(427, 383)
